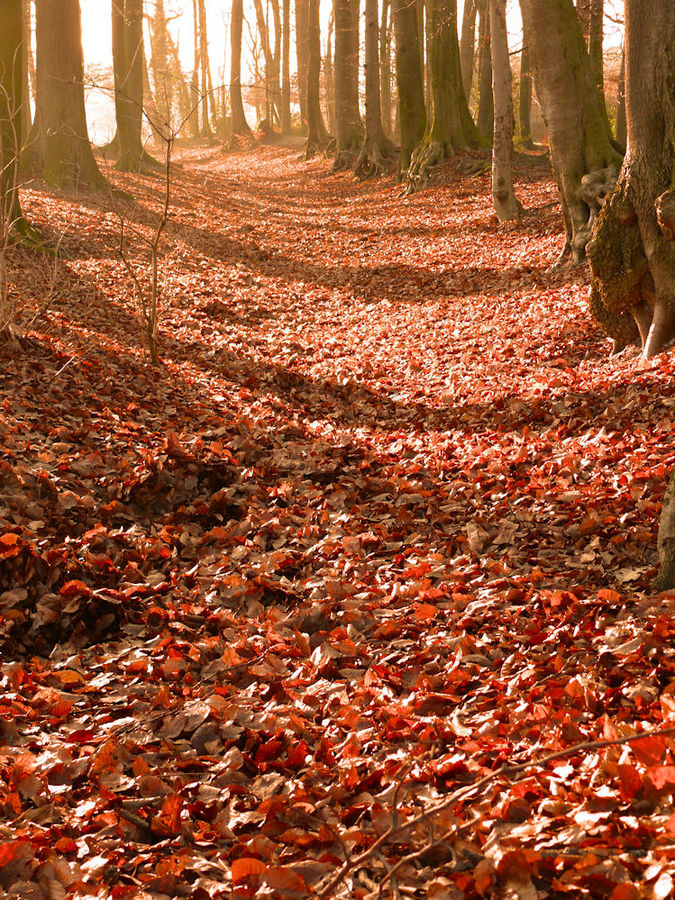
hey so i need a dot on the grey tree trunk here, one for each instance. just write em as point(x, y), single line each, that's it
point(58, 147)
point(349, 130)
point(239, 124)
point(377, 151)
point(486, 114)
point(585, 162)
point(503, 196)
point(412, 114)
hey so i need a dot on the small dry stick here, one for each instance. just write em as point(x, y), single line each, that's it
point(460, 793)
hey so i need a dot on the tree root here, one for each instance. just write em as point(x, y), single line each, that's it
point(425, 158)
point(344, 159)
point(237, 143)
point(376, 157)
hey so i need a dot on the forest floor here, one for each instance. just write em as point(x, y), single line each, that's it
point(383, 522)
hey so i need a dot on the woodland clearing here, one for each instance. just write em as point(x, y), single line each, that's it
point(383, 521)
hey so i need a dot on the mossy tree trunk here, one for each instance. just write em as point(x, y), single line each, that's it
point(377, 150)
point(585, 161)
point(58, 147)
point(503, 196)
point(317, 136)
point(451, 127)
point(632, 252)
point(240, 126)
point(349, 130)
point(412, 116)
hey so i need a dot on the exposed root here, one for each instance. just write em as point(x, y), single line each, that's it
point(238, 142)
point(665, 213)
point(344, 160)
point(425, 158)
point(315, 147)
point(376, 157)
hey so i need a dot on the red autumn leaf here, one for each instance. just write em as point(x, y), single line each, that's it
point(661, 777)
point(625, 891)
point(284, 879)
point(75, 588)
point(245, 867)
point(650, 751)
point(9, 545)
point(630, 781)
point(168, 821)
point(425, 612)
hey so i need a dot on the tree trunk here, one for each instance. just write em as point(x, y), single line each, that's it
point(451, 127)
point(193, 121)
point(595, 42)
point(275, 80)
point(525, 100)
point(485, 115)
point(271, 71)
point(286, 70)
point(620, 127)
point(633, 248)
point(59, 147)
point(11, 102)
point(505, 203)
point(161, 67)
point(665, 581)
point(302, 52)
point(26, 118)
point(127, 45)
point(204, 63)
point(385, 67)
point(239, 124)
point(377, 150)
point(584, 160)
point(329, 77)
point(467, 44)
point(317, 136)
point(409, 81)
point(348, 126)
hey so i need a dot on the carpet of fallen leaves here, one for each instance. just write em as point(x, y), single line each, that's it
point(382, 522)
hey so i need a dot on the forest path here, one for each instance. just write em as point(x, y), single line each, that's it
point(387, 511)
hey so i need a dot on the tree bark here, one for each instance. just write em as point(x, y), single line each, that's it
point(239, 124)
point(485, 115)
point(620, 127)
point(525, 100)
point(633, 248)
point(204, 64)
point(317, 136)
point(585, 162)
point(409, 81)
point(329, 77)
point(503, 196)
point(385, 67)
point(285, 69)
point(451, 128)
point(377, 150)
point(26, 118)
point(302, 53)
point(11, 102)
point(127, 45)
point(467, 44)
point(59, 147)
point(349, 130)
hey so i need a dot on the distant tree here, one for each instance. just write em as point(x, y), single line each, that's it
point(349, 130)
point(504, 199)
point(302, 53)
point(385, 67)
point(409, 81)
point(58, 147)
point(286, 69)
point(239, 124)
point(525, 99)
point(317, 136)
point(377, 150)
point(329, 76)
point(272, 89)
point(585, 160)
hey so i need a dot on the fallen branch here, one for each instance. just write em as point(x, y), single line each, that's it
point(460, 793)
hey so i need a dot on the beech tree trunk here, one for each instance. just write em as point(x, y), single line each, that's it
point(504, 199)
point(317, 136)
point(377, 150)
point(585, 162)
point(525, 100)
point(302, 53)
point(467, 44)
point(205, 68)
point(286, 70)
point(239, 124)
point(58, 147)
point(385, 67)
point(620, 127)
point(412, 114)
point(451, 128)
point(485, 114)
point(349, 130)
point(11, 102)
point(329, 77)
point(633, 248)
point(127, 45)
point(26, 119)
